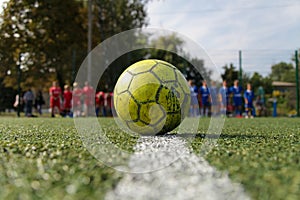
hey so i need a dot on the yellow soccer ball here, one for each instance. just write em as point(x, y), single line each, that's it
point(151, 97)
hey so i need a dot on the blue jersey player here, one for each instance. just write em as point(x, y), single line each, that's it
point(249, 97)
point(194, 107)
point(213, 91)
point(223, 98)
point(205, 98)
point(237, 98)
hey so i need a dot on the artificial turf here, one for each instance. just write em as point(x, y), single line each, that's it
point(262, 153)
point(45, 158)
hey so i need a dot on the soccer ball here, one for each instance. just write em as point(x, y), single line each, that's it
point(151, 97)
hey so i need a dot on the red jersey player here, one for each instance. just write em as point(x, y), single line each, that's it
point(89, 98)
point(55, 93)
point(109, 103)
point(100, 104)
point(67, 100)
point(77, 93)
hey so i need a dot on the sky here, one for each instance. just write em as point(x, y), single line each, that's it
point(267, 32)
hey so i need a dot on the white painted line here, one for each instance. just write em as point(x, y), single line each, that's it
point(188, 177)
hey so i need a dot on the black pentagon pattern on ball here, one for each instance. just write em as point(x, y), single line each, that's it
point(174, 92)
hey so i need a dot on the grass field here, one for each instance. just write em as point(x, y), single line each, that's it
point(263, 154)
point(45, 158)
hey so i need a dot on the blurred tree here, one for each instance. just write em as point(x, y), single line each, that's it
point(173, 46)
point(7, 96)
point(46, 35)
point(230, 74)
point(112, 17)
point(258, 80)
point(167, 48)
point(267, 85)
point(283, 72)
point(43, 34)
point(115, 16)
point(47, 40)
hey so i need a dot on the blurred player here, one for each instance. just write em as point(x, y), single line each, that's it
point(205, 99)
point(77, 93)
point(260, 102)
point(249, 96)
point(67, 100)
point(109, 103)
point(194, 107)
point(213, 91)
point(100, 104)
point(39, 101)
point(55, 94)
point(236, 91)
point(89, 98)
point(223, 98)
point(28, 100)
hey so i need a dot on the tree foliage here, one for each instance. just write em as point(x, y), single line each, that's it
point(173, 46)
point(47, 40)
point(280, 72)
point(230, 74)
point(167, 48)
point(283, 72)
point(258, 80)
point(41, 35)
point(115, 16)
point(48, 37)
